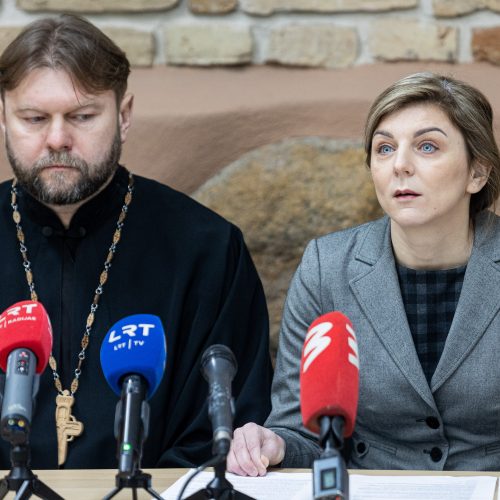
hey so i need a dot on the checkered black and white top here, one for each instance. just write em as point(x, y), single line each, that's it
point(430, 299)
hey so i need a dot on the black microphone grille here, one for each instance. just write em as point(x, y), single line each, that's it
point(218, 351)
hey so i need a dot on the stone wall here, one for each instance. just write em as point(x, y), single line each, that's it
point(308, 33)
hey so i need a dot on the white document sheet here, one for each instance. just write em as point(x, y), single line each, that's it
point(421, 487)
point(297, 486)
point(274, 486)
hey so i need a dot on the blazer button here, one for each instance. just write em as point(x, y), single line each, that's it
point(436, 454)
point(432, 422)
point(361, 447)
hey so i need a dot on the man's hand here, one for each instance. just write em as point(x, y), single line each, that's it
point(253, 449)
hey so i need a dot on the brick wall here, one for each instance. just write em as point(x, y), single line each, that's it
point(308, 33)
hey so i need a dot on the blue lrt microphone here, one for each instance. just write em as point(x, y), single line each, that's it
point(133, 356)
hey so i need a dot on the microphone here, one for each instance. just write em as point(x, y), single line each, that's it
point(329, 386)
point(133, 356)
point(25, 346)
point(218, 367)
point(329, 372)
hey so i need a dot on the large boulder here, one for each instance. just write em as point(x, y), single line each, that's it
point(282, 195)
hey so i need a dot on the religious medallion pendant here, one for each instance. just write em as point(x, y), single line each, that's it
point(67, 426)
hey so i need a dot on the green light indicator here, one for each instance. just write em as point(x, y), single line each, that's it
point(126, 447)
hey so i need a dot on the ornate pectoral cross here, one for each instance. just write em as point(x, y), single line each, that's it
point(67, 425)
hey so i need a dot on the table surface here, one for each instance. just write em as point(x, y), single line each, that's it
point(96, 483)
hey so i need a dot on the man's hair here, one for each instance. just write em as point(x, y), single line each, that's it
point(70, 43)
point(466, 107)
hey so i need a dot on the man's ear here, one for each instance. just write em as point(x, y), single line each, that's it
point(125, 115)
point(479, 174)
point(2, 115)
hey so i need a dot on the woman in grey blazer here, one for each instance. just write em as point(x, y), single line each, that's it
point(421, 287)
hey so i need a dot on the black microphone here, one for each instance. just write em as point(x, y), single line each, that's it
point(131, 422)
point(218, 367)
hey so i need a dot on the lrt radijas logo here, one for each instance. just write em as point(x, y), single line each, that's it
point(128, 337)
point(18, 313)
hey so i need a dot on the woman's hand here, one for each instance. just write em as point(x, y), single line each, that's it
point(253, 449)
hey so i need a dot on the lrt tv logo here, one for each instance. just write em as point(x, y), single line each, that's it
point(317, 341)
point(130, 336)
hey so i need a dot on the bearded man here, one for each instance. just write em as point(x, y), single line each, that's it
point(71, 211)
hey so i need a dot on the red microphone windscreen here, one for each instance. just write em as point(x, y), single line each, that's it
point(329, 372)
point(26, 325)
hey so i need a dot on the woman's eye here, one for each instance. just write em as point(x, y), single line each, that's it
point(428, 147)
point(385, 149)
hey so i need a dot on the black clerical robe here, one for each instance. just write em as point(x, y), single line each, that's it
point(177, 260)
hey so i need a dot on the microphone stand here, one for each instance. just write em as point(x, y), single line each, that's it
point(136, 479)
point(219, 487)
point(330, 477)
point(21, 478)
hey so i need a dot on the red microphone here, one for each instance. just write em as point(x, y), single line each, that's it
point(25, 346)
point(26, 325)
point(329, 384)
point(329, 372)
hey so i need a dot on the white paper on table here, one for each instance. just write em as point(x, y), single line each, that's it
point(297, 486)
point(417, 487)
point(272, 486)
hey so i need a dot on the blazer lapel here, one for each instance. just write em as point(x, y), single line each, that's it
point(377, 291)
point(478, 304)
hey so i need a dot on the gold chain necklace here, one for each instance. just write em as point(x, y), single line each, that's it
point(66, 424)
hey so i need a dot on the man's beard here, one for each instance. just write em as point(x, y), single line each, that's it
point(59, 190)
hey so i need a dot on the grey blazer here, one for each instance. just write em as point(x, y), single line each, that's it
point(402, 422)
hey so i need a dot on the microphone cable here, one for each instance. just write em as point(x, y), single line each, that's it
point(209, 463)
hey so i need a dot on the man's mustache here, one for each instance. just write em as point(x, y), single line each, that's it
point(63, 159)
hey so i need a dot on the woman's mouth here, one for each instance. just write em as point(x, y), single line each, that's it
point(406, 194)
